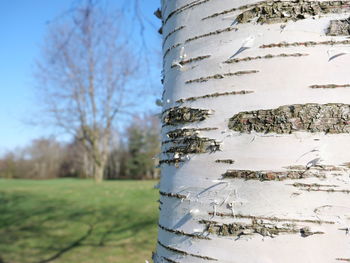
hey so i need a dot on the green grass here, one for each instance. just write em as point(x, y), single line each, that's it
point(77, 221)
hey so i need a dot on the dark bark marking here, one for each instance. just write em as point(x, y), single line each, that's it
point(171, 48)
point(231, 10)
point(271, 12)
point(193, 145)
point(214, 95)
point(182, 115)
point(346, 229)
point(271, 175)
point(182, 233)
point(187, 142)
point(191, 60)
point(329, 86)
point(343, 259)
point(175, 161)
point(171, 33)
point(183, 8)
point(256, 227)
point(329, 118)
point(339, 28)
point(178, 133)
point(273, 219)
point(330, 190)
point(217, 32)
point(321, 167)
point(221, 76)
point(227, 161)
point(181, 252)
point(158, 14)
point(269, 56)
point(178, 196)
point(306, 44)
point(315, 185)
point(320, 188)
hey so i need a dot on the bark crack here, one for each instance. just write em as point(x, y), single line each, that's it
point(271, 175)
point(182, 233)
point(273, 219)
point(269, 56)
point(306, 44)
point(181, 252)
point(215, 95)
point(221, 76)
point(256, 227)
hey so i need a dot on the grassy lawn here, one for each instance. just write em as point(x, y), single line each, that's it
point(77, 221)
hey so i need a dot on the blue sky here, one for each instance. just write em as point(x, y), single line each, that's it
point(23, 25)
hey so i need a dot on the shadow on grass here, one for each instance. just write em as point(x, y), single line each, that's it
point(34, 229)
point(76, 243)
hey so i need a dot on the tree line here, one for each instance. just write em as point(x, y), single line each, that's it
point(132, 154)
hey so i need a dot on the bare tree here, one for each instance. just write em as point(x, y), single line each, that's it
point(86, 75)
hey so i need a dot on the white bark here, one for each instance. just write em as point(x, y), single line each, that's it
point(281, 219)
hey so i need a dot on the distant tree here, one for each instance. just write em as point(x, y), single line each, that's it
point(76, 161)
point(45, 157)
point(8, 166)
point(143, 146)
point(86, 75)
point(41, 159)
point(117, 162)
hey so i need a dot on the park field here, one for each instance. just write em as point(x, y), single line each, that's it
point(68, 220)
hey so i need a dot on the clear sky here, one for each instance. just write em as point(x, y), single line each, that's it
point(23, 24)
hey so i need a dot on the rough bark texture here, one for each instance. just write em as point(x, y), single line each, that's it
point(256, 123)
point(328, 118)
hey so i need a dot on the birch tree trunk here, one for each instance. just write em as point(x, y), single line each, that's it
point(256, 128)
